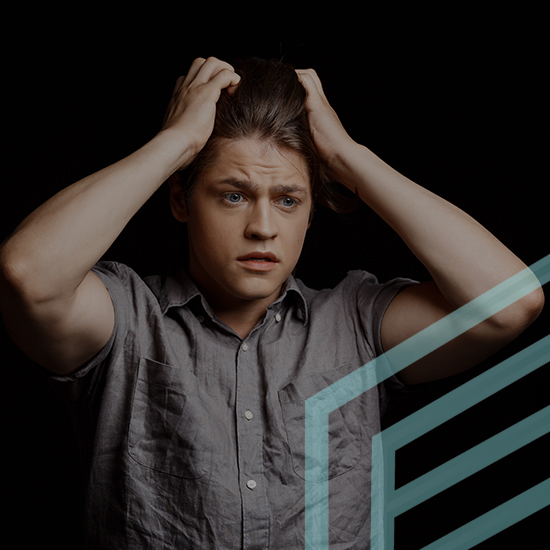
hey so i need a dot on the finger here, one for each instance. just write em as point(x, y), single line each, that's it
point(232, 89)
point(178, 84)
point(210, 68)
point(310, 80)
point(226, 78)
point(314, 89)
point(193, 70)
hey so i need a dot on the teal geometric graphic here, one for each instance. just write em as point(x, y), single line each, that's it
point(387, 503)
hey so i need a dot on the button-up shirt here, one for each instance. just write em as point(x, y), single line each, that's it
point(193, 437)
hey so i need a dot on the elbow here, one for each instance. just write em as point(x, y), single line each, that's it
point(10, 273)
point(514, 319)
point(531, 306)
point(16, 277)
point(8, 268)
point(535, 304)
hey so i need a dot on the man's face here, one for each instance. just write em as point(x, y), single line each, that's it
point(247, 222)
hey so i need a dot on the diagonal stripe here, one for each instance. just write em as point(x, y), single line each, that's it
point(496, 520)
point(430, 338)
point(469, 462)
point(384, 444)
point(469, 394)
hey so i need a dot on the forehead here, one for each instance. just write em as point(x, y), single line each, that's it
point(259, 163)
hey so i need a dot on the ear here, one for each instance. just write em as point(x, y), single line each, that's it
point(177, 203)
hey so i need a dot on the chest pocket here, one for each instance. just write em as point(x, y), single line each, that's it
point(350, 427)
point(168, 431)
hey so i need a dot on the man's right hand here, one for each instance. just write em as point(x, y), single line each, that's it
point(192, 108)
point(55, 308)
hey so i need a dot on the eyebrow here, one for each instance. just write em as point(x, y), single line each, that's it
point(279, 188)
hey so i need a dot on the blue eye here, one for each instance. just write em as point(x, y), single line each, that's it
point(288, 202)
point(233, 197)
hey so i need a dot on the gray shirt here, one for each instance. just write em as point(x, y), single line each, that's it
point(192, 437)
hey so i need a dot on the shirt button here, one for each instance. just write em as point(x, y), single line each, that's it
point(251, 484)
point(248, 415)
point(200, 318)
point(244, 347)
point(277, 317)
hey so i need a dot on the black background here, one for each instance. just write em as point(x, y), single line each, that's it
point(455, 98)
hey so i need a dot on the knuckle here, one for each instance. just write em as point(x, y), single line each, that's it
point(222, 64)
point(224, 74)
point(198, 63)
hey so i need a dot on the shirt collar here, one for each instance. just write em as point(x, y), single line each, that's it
point(179, 290)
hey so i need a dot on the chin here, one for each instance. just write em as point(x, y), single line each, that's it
point(259, 290)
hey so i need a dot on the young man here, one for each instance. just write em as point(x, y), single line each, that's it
point(188, 391)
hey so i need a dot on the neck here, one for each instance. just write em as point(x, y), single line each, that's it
point(242, 322)
point(241, 315)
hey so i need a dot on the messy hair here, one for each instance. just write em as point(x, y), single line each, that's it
point(268, 105)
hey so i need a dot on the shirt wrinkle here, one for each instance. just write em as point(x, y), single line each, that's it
point(192, 437)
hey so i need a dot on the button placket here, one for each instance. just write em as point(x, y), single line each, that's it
point(250, 439)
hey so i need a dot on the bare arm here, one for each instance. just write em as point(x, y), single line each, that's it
point(54, 307)
point(463, 258)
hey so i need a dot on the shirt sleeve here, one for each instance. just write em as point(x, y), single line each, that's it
point(116, 277)
point(373, 299)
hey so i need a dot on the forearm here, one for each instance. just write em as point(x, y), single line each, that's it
point(463, 258)
point(53, 249)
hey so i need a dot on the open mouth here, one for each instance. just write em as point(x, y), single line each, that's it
point(259, 261)
point(259, 257)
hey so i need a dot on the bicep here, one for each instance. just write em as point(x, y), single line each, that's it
point(64, 333)
point(418, 307)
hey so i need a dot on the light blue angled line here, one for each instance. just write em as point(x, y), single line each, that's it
point(379, 489)
point(462, 319)
point(468, 394)
point(388, 441)
point(496, 520)
point(428, 339)
point(431, 338)
point(320, 405)
point(468, 463)
point(382, 488)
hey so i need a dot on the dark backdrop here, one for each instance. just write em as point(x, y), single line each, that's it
point(454, 98)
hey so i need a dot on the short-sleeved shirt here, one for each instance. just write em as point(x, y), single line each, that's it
point(193, 437)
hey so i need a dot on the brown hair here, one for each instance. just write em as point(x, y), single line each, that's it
point(269, 105)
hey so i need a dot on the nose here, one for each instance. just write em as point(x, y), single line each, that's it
point(261, 223)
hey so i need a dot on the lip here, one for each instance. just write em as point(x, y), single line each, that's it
point(259, 254)
point(253, 261)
